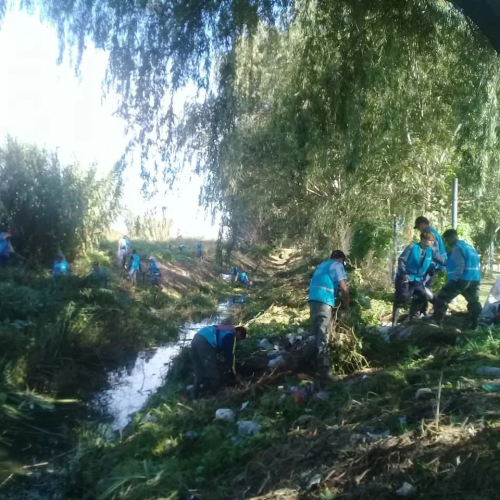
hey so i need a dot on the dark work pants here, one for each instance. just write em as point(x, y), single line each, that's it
point(412, 289)
point(321, 318)
point(205, 365)
point(452, 289)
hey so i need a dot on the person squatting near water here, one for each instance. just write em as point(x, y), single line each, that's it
point(212, 353)
point(422, 225)
point(464, 278)
point(413, 265)
point(328, 278)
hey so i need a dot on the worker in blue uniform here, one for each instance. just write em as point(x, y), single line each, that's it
point(208, 346)
point(328, 278)
point(464, 278)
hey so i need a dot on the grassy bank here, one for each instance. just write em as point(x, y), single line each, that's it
point(59, 339)
point(415, 413)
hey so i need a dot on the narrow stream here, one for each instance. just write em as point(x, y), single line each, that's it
point(131, 386)
point(39, 458)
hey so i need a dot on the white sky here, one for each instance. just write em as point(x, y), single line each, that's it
point(44, 103)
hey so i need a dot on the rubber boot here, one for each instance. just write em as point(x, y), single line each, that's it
point(395, 315)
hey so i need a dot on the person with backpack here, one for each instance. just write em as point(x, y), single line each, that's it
point(208, 345)
point(123, 250)
point(464, 278)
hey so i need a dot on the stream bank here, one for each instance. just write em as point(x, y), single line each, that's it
point(36, 459)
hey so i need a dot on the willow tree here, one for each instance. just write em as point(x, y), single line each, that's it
point(309, 115)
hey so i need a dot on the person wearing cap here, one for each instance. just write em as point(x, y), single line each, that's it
point(413, 264)
point(154, 271)
point(328, 277)
point(464, 278)
point(5, 247)
point(60, 267)
point(422, 224)
point(206, 346)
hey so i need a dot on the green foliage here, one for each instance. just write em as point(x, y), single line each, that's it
point(149, 226)
point(50, 207)
point(370, 237)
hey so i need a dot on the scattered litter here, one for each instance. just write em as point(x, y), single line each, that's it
point(273, 354)
point(189, 388)
point(322, 395)
point(299, 397)
point(405, 332)
point(491, 387)
point(422, 392)
point(405, 490)
point(273, 363)
point(356, 438)
point(244, 405)
point(314, 481)
point(150, 419)
point(281, 387)
point(224, 414)
point(364, 302)
point(381, 435)
point(248, 428)
point(266, 345)
point(364, 377)
point(191, 434)
point(384, 332)
point(491, 371)
point(402, 420)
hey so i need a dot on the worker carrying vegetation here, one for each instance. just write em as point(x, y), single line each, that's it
point(413, 264)
point(154, 271)
point(328, 277)
point(423, 225)
point(123, 250)
point(464, 278)
point(206, 346)
point(60, 267)
point(134, 266)
point(5, 246)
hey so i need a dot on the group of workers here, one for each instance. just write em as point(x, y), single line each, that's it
point(418, 265)
point(132, 262)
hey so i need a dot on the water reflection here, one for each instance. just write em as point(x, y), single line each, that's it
point(131, 385)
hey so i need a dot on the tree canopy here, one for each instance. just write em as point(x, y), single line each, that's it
point(309, 116)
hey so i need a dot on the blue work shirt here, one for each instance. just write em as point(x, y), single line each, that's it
point(325, 281)
point(222, 337)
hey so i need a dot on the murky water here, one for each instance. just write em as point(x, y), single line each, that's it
point(132, 385)
point(128, 390)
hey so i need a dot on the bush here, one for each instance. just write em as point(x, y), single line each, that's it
point(50, 207)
